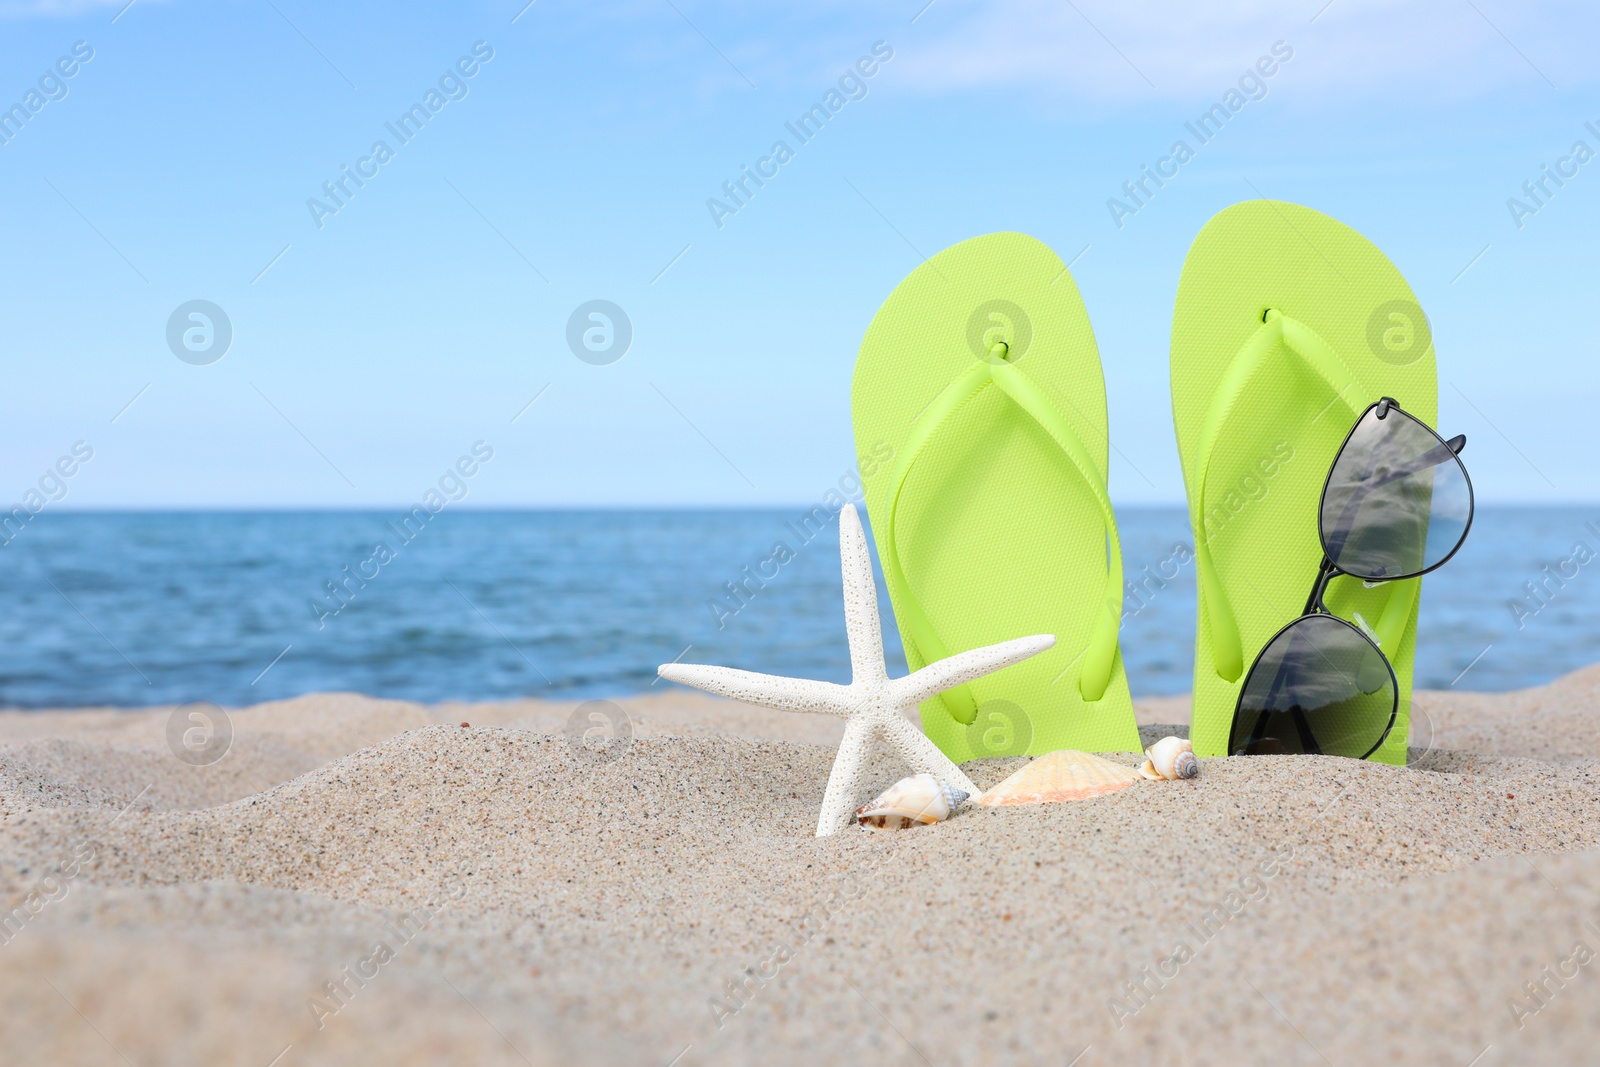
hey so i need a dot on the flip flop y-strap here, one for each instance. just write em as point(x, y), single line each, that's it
point(1293, 336)
point(1100, 655)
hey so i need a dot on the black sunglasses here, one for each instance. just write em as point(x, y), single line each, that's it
point(1397, 504)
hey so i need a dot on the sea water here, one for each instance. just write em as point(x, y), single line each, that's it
point(239, 607)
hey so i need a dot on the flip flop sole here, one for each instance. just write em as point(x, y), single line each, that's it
point(1267, 471)
point(998, 534)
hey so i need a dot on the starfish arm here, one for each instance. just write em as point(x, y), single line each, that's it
point(861, 623)
point(964, 667)
point(846, 779)
point(767, 690)
point(923, 755)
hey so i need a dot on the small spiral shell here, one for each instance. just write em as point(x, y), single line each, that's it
point(1170, 759)
point(914, 801)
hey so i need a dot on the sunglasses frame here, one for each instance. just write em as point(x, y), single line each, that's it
point(1316, 607)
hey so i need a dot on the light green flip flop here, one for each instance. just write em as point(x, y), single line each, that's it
point(1287, 325)
point(980, 378)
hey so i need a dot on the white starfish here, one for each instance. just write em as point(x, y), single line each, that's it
point(872, 702)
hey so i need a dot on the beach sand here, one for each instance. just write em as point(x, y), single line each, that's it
point(537, 902)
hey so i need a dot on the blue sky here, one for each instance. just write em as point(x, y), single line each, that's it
point(370, 352)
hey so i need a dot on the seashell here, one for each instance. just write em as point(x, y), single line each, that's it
point(1058, 776)
point(913, 801)
point(1170, 758)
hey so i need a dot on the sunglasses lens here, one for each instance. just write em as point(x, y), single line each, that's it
point(1318, 687)
point(1397, 502)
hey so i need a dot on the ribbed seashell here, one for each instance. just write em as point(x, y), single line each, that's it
point(1169, 759)
point(1058, 776)
point(913, 801)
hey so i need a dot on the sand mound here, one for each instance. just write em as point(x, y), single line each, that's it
point(536, 904)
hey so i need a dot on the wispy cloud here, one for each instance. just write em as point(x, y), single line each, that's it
point(53, 9)
point(1106, 51)
point(1116, 53)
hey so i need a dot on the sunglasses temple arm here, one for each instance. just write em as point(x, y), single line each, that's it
point(1347, 517)
point(1256, 732)
point(1431, 458)
point(1308, 740)
point(1260, 727)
